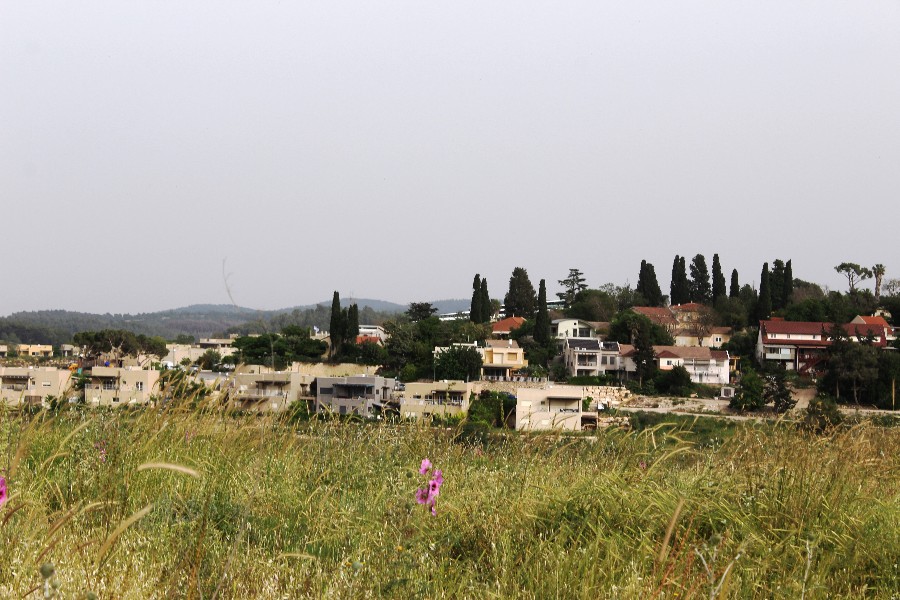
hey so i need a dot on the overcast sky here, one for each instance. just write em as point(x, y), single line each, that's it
point(394, 149)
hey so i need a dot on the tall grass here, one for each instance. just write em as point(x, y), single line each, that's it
point(194, 503)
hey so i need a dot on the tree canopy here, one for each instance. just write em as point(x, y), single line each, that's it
point(521, 299)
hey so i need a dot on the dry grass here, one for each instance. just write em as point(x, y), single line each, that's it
point(198, 504)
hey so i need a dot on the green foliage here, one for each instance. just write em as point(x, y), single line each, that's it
point(459, 363)
point(592, 305)
point(851, 369)
point(854, 273)
point(822, 414)
point(734, 289)
point(209, 360)
point(718, 280)
point(476, 309)
point(491, 408)
point(278, 351)
point(679, 289)
point(571, 285)
point(743, 345)
point(542, 317)
point(749, 395)
point(119, 342)
point(586, 380)
point(624, 327)
point(700, 290)
point(775, 391)
point(764, 302)
point(648, 286)
point(520, 300)
point(420, 311)
point(409, 373)
point(675, 382)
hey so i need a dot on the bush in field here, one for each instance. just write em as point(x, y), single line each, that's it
point(822, 414)
point(675, 381)
point(749, 395)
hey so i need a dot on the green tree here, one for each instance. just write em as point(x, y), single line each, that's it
point(475, 310)
point(679, 289)
point(419, 311)
point(734, 291)
point(337, 326)
point(854, 273)
point(878, 272)
point(624, 326)
point(542, 318)
point(644, 356)
point(749, 394)
point(209, 360)
point(764, 303)
point(850, 364)
point(592, 305)
point(700, 289)
point(787, 288)
point(776, 284)
point(675, 381)
point(776, 391)
point(718, 280)
point(520, 300)
point(571, 285)
point(488, 307)
point(648, 286)
point(458, 362)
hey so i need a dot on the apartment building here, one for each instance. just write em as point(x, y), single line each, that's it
point(115, 386)
point(557, 407)
point(33, 386)
point(444, 398)
point(362, 395)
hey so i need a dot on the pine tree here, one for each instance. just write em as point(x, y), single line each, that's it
point(734, 291)
point(787, 289)
point(776, 284)
point(475, 307)
point(700, 289)
point(486, 311)
point(764, 303)
point(542, 319)
point(572, 284)
point(520, 300)
point(718, 279)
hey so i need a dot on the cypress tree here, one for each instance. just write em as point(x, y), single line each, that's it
point(776, 284)
point(679, 288)
point(486, 312)
point(718, 279)
point(735, 290)
point(542, 319)
point(700, 289)
point(648, 286)
point(787, 289)
point(475, 307)
point(520, 300)
point(352, 323)
point(336, 324)
point(764, 303)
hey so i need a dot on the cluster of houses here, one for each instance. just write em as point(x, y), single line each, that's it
point(344, 390)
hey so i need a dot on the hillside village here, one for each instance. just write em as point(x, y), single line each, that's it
point(544, 363)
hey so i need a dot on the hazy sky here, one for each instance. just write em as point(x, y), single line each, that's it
point(394, 149)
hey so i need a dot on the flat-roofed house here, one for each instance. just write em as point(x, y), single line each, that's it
point(363, 395)
point(557, 407)
point(35, 350)
point(590, 357)
point(444, 398)
point(115, 386)
point(268, 391)
point(32, 386)
point(501, 359)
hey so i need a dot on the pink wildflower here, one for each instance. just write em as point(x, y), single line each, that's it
point(2, 490)
point(426, 464)
point(428, 494)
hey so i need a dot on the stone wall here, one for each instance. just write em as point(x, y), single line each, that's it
point(607, 394)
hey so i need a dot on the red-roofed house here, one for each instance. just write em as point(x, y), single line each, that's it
point(501, 329)
point(802, 345)
point(660, 315)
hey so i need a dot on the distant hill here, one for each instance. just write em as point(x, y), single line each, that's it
point(197, 320)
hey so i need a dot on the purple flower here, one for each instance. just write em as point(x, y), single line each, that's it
point(2, 490)
point(428, 495)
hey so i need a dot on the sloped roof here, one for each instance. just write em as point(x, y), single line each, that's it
point(508, 324)
point(583, 344)
point(683, 352)
point(658, 314)
point(873, 320)
point(854, 330)
point(687, 307)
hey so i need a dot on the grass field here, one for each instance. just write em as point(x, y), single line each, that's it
point(183, 503)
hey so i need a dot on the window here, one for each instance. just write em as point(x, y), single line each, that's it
point(326, 391)
point(45, 384)
point(139, 386)
point(109, 384)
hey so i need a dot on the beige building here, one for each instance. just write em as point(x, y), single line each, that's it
point(501, 359)
point(445, 398)
point(269, 391)
point(557, 407)
point(362, 395)
point(115, 386)
point(32, 386)
point(35, 350)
